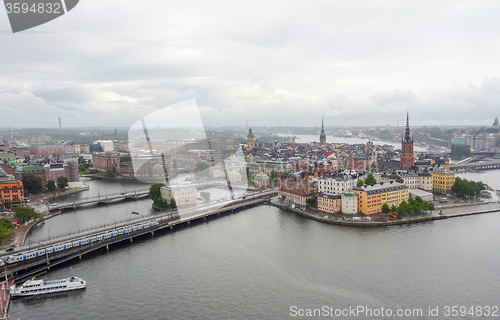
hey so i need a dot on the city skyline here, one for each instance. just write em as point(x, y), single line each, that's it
point(357, 63)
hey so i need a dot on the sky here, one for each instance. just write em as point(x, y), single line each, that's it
point(271, 63)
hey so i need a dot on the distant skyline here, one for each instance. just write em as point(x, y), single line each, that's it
point(271, 63)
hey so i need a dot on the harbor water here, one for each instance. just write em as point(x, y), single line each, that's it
point(260, 262)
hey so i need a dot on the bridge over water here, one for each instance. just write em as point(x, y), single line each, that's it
point(169, 220)
point(116, 197)
point(477, 165)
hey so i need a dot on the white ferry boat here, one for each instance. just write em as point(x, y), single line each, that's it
point(37, 287)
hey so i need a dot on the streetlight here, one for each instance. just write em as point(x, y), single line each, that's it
point(48, 230)
point(78, 225)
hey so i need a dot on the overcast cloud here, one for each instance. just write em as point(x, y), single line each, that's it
point(271, 62)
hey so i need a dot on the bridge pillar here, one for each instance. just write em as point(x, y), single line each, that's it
point(152, 233)
point(171, 227)
point(205, 218)
point(131, 240)
point(189, 222)
point(107, 247)
point(80, 256)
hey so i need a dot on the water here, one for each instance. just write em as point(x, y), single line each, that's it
point(490, 177)
point(302, 138)
point(258, 263)
point(99, 214)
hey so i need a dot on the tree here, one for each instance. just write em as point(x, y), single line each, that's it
point(51, 185)
point(370, 179)
point(312, 202)
point(23, 214)
point(62, 182)
point(394, 208)
point(386, 208)
point(360, 183)
point(173, 205)
point(205, 195)
point(32, 184)
point(154, 191)
point(399, 180)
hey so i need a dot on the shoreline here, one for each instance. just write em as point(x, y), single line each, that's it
point(388, 223)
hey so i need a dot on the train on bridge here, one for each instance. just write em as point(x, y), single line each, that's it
point(53, 248)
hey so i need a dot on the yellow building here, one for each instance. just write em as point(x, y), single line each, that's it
point(372, 197)
point(330, 203)
point(442, 179)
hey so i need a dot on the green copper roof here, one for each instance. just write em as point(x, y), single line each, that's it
point(349, 194)
point(261, 175)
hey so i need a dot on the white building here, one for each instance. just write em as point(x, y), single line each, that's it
point(349, 203)
point(336, 184)
point(183, 195)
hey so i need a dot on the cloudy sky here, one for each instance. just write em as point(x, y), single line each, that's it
point(272, 62)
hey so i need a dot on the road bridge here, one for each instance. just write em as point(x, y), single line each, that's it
point(133, 195)
point(169, 220)
point(477, 165)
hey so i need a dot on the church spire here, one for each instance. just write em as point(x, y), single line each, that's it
point(322, 136)
point(407, 131)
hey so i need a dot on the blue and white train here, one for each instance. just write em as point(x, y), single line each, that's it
point(27, 255)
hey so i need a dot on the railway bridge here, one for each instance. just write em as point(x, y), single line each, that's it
point(23, 269)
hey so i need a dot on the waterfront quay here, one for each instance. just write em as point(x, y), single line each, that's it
point(440, 214)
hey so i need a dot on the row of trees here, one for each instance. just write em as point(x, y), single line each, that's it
point(465, 187)
point(460, 152)
point(21, 214)
point(34, 184)
point(416, 205)
point(158, 201)
point(5, 227)
point(24, 214)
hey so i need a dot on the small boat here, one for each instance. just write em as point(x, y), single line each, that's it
point(38, 287)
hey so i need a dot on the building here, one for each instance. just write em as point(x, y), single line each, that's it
point(11, 189)
point(330, 203)
point(267, 167)
point(68, 169)
point(336, 184)
point(261, 180)
point(296, 186)
point(71, 148)
point(250, 140)
point(85, 148)
point(322, 136)
point(407, 155)
point(442, 179)
point(106, 161)
point(372, 197)
point(104, 146)
point(425, 180)
point(234, 177)
point(47, 149)
point(349, 202)
point(183, 195)
point(426, 196)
